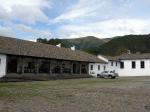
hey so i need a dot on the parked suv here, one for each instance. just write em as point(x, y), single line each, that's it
point(108, 74)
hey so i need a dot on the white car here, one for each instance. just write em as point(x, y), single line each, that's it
point(108, 74)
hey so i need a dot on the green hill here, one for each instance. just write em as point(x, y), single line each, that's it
point(108, 46)
point(84, 42)
point(119, 45)
point(88, 44)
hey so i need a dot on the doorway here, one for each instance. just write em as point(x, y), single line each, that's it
point(74, 68)
point(12, 65)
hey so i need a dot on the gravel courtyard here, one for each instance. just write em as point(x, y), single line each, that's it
point(130, 94)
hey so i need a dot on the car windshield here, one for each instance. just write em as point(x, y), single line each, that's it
point(112, 71)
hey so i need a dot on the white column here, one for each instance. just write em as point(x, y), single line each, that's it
point(2, 65)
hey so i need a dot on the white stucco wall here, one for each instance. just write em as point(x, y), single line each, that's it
point(126, 71)
point(2, 65)
point(95, 70)
point(138, 71)
point(114, 66)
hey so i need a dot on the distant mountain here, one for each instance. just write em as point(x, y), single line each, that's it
point(108, 46)
point(121, 44)
point(88, 44)
point(84, 42)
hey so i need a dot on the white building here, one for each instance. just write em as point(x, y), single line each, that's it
point(20, 59)
point(124, 65)
point(134, 64)
point(110, 65)
point(97, 68)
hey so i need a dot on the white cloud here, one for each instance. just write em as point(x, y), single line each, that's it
point(104, 18)
point(23, 31)
point(95, 10)
point(101, 18)
point(83, 9)
point(6, 31)
point(108, 28)
point(36, 33)
point(28, 11)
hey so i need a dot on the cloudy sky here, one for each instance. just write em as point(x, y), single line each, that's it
point(30, 19)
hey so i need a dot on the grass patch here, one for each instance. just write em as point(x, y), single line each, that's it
point(35, 88)
point(75, 95)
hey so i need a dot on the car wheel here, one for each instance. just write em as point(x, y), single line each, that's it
point(113, 77)
point(100, 76)
point(109, 76)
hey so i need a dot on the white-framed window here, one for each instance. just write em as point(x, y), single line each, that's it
point(142, 64)
point(91, 67)
point(99, 67)
point(122, 65)
point(133, 64)
point(104, 68)
point(111, 63)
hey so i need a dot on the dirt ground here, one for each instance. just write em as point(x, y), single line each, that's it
point(130, 94)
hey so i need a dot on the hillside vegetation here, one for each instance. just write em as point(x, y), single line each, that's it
point(119, 45)
point(113, 46)
point(88, 44)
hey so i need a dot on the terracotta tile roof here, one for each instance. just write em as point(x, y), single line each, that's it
point(129, 56)
point(134, 56)
point(111, 58)
point(15, 46)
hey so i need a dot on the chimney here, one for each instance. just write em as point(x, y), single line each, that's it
point(73, 48)
point(59, 45)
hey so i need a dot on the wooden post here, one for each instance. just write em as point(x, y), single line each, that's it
point(36, 66)
point(61, 69)
point(80, 68)
point(71, 64)
point(22, 70)
point(87, 67)
point(50, 71)
point(18, 65)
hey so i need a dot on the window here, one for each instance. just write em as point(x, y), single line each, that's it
point(105, 72)
point(133, 64)
point(111, 63)
point(91, 67)
point(142, 64)
point(98, 67)
point(122, 65)
point(104, 67)
point(116, 63)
